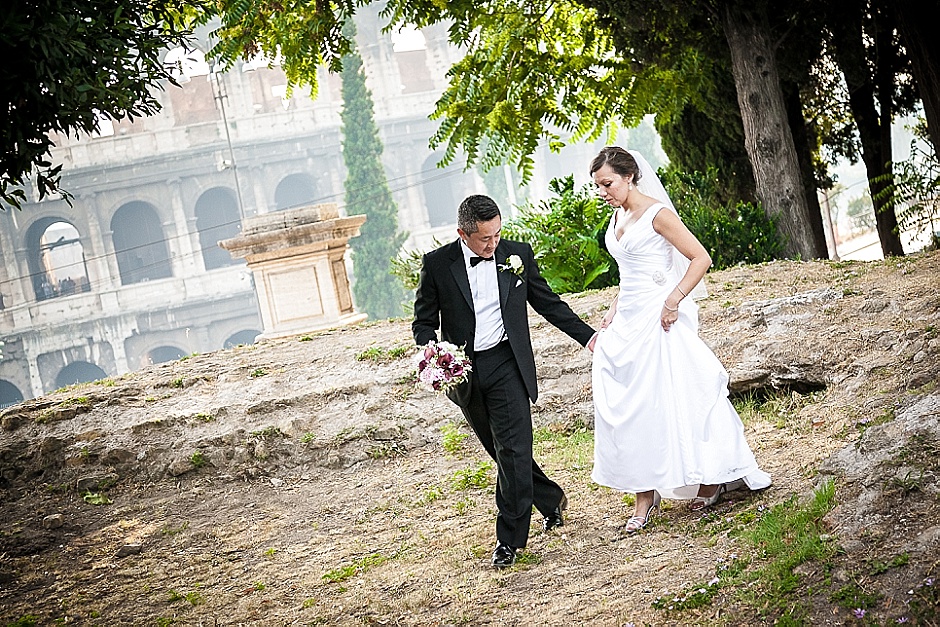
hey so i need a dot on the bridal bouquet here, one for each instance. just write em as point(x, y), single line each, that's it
point(441, 366)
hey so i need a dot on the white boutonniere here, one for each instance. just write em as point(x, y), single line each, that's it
point(514, 265)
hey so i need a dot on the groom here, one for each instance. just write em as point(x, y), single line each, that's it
point(476, 291)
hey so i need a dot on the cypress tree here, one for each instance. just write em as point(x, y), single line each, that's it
point(709, 133)
point(377, 292)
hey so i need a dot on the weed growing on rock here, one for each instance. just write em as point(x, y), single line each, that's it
point(690, 598)
point(172, 531)
point(387, 449)
point(877, 567)
point(359, 566)
point(778, 407)
point(924, 602)
point(464, 505)
point(379, 354)
point(853, 596)
point(473, 478)
point(453, 438)
point(96, 498)
point(429, 496)
point(270, 432)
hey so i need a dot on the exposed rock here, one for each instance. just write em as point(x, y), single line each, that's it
point(890, 468)
point(180, 467)
point(96, 482)
point(128, 549)
point(387, 432)
point(326, 459)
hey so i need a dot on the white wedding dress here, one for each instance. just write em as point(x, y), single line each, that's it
point(662, 418)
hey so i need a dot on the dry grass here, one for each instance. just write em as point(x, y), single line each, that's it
point(324, 524)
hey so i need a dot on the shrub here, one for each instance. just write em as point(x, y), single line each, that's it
point(565, 232)
point(731, 233)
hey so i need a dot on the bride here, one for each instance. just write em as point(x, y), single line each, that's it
point(663, 424)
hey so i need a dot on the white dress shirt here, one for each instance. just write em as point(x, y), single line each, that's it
point(485, 291)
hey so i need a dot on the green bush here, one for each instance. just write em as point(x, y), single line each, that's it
point(565, 233)
point(732, 235)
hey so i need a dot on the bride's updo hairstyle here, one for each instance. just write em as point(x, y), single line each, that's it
point(619, 160)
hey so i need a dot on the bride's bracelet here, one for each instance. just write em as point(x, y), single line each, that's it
point(681, 291)
point(668, 308)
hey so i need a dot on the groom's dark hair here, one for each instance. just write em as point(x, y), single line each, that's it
point(473, 209)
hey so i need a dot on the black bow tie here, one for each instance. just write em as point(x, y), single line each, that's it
point(475, 260)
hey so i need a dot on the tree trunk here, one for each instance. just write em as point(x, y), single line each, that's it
point(917, 22)
point(886, 220)
point(803, 143)
point(767, 134)
point(849, 53)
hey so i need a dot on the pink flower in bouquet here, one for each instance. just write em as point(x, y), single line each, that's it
point(441, 366)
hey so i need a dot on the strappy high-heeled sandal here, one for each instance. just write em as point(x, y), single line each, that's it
point(638, 522)
point(703, 502)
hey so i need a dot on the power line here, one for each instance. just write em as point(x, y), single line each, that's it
point(101, 282)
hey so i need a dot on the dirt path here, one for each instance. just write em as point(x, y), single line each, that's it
point(292, 483)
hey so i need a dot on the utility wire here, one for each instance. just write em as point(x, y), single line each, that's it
point(98, 283)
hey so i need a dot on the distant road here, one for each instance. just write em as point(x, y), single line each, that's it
point(867, 247)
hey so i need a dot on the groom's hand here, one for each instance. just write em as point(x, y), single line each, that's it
point(592, 342)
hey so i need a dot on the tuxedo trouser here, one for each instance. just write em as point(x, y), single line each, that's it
point(500, 415)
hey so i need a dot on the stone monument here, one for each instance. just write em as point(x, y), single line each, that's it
point(297, 257)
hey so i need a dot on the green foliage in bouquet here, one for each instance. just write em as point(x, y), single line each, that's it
point(566, 234)
point(731, 233)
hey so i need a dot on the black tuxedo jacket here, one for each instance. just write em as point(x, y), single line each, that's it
point(443, 301)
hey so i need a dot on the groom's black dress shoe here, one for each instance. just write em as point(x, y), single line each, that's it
point(504, 556)
point(556, 519)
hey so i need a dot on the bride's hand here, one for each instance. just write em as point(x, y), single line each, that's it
point(667, 318)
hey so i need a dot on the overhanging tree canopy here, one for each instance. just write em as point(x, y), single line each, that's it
point(536, 70)
point(68, 62)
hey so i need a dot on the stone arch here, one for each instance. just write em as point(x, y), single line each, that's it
point(248, 336)
point(193, 101)
point(163, 354)
point(295, 190)
point(140, 243)
point(411, 52)
point(56, 259)
point(79, 372)
point(9, 394)
point(441, 196)
point(217, 218)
